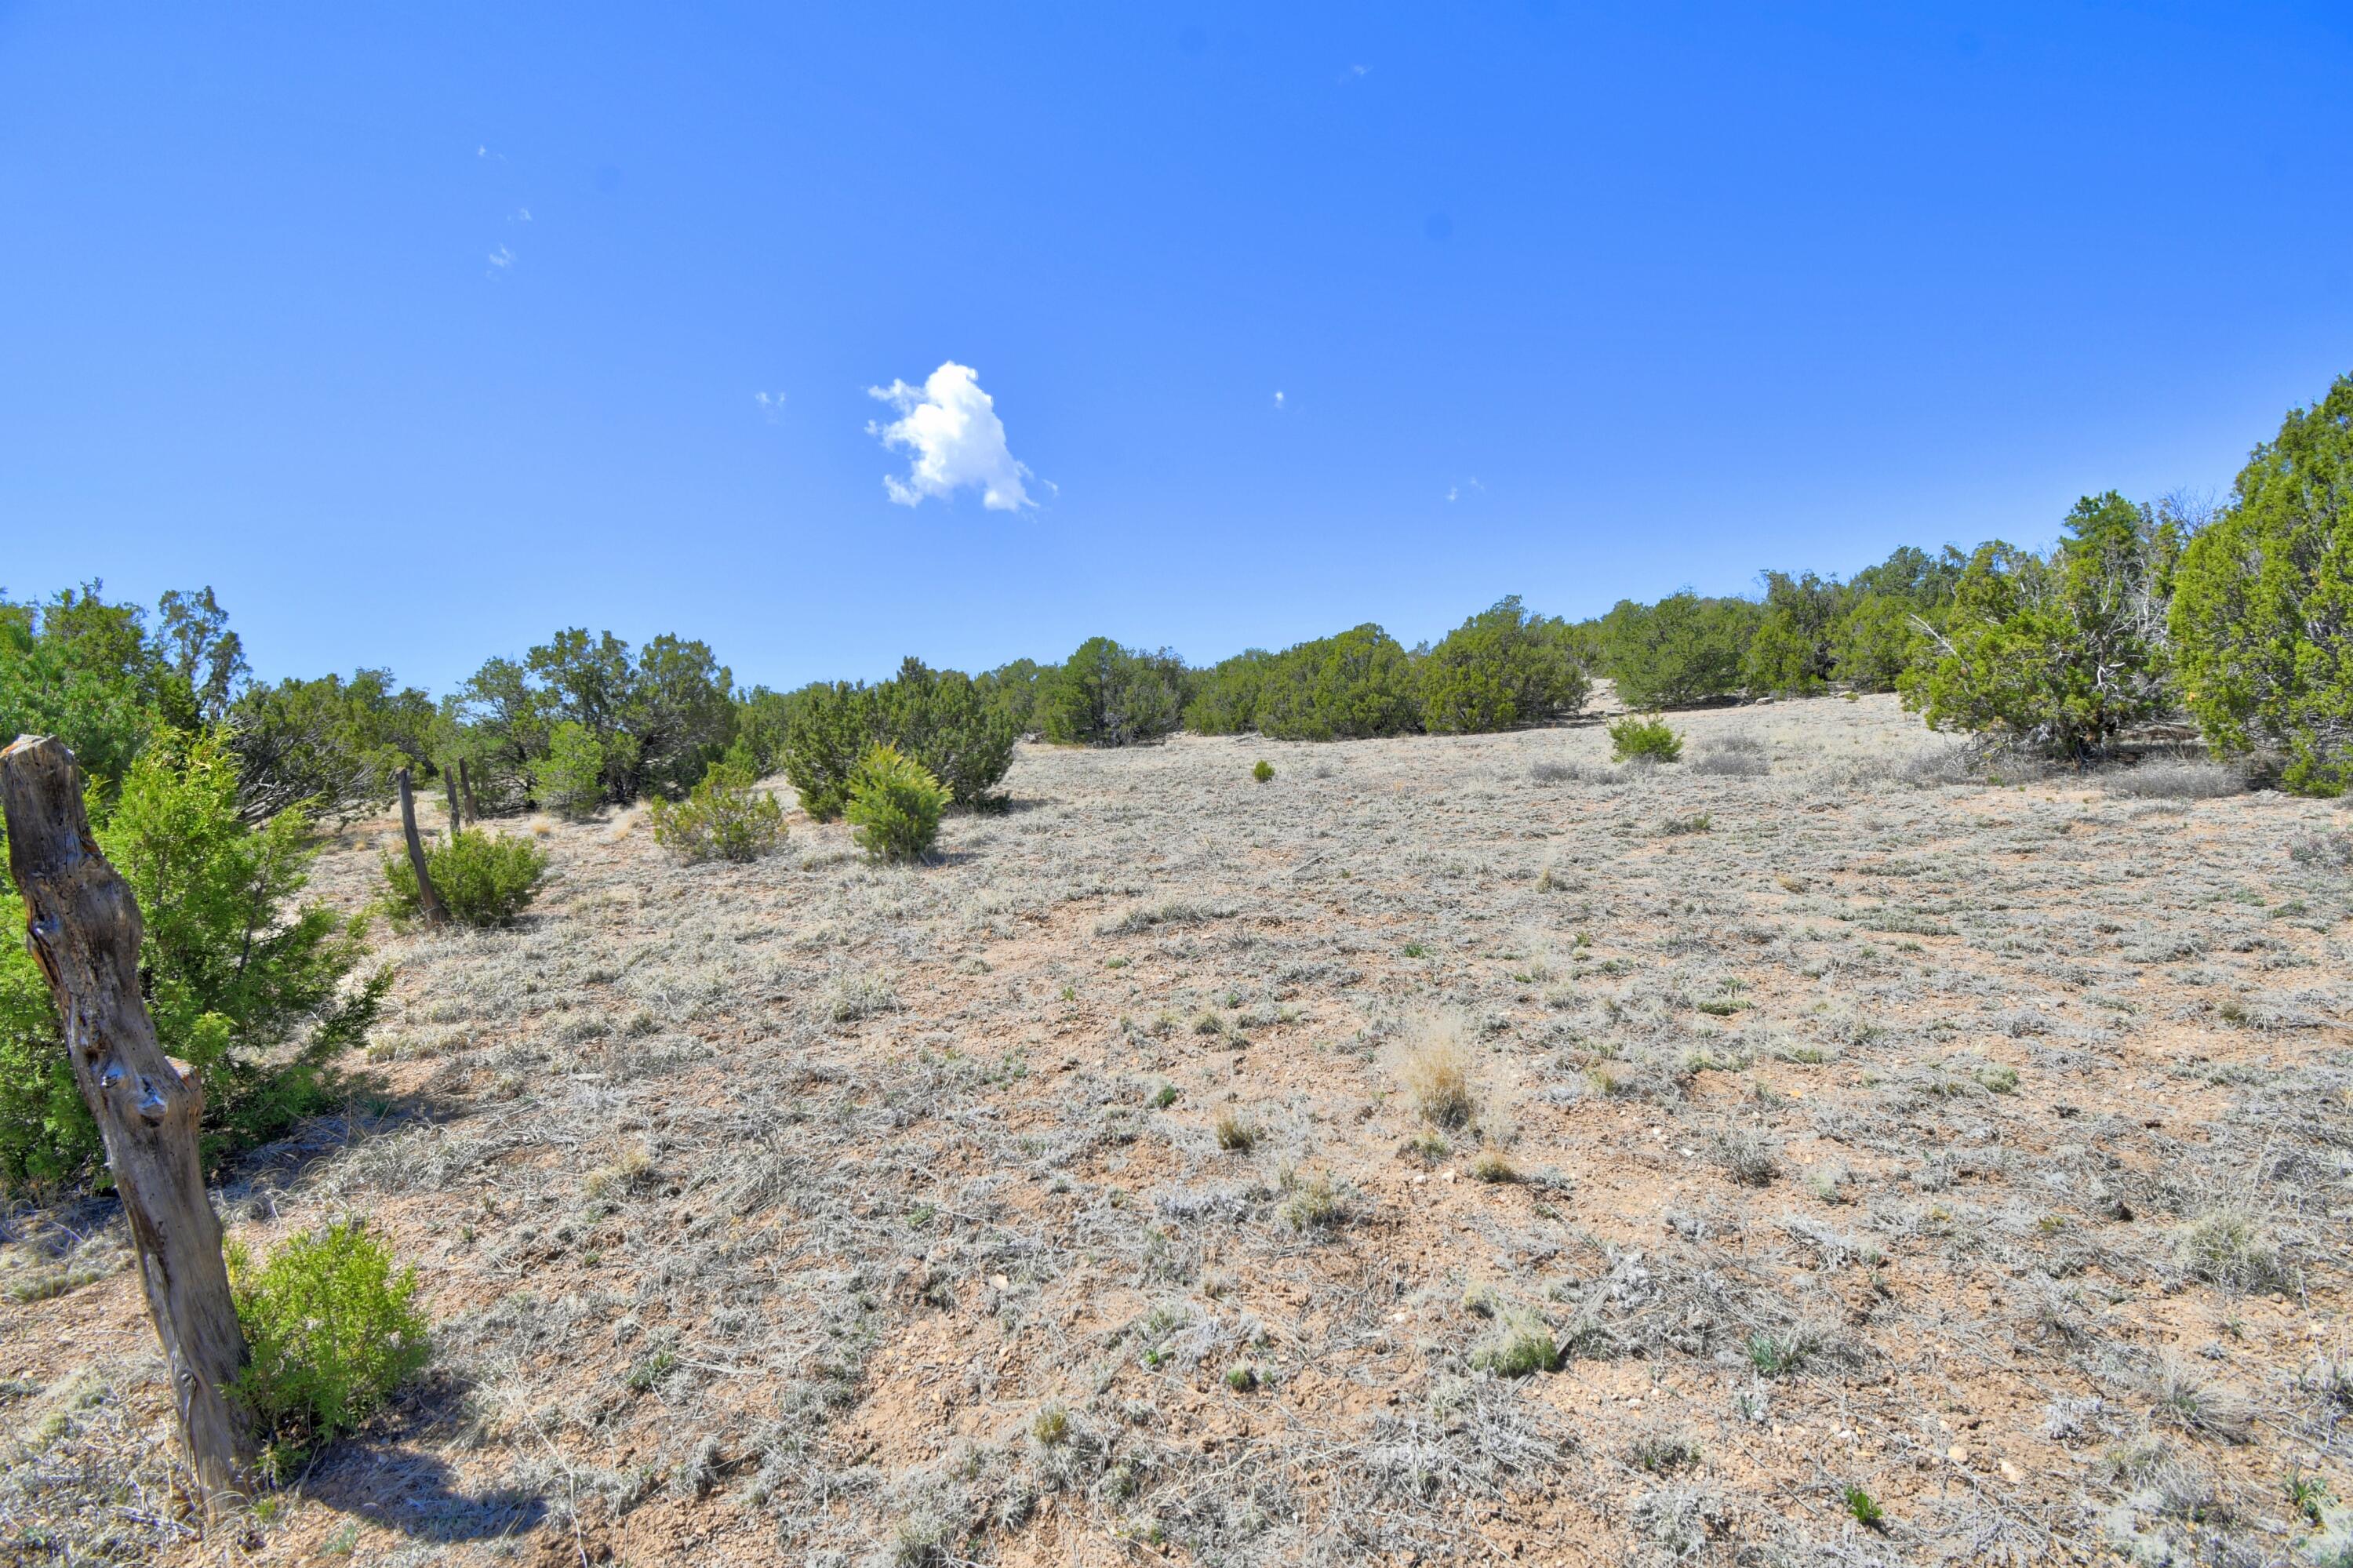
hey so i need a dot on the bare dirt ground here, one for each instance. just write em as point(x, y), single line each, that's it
point(1106, 1191)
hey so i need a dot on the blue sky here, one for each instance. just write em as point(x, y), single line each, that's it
point(420, 332)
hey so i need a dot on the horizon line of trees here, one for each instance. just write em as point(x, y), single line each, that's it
point(2236, 618)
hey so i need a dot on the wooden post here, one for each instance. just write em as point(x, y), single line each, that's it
point(82, 924)
point(429, 901)
point(449, 789)
point(466, 788)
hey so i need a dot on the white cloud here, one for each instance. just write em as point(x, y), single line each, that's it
point(501, 257)
point(951, 429)
point(771, 404)
point(1454, 491)
point(522, 214)
point(1277, 400)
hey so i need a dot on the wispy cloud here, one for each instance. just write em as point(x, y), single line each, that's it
point(950, 428)
point(1455, 492)
point(772, 403)
point(501, 257)
point(1277, 400)
point(1356, 72)
point(522, 214)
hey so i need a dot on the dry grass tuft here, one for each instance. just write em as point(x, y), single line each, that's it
point(1435, 1071)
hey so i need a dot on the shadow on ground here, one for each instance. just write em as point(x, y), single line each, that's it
point(413, 1493)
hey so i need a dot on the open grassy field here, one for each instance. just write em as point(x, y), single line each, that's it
point(1451, 1149)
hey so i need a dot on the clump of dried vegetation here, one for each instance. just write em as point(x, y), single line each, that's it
point(1429, 1157)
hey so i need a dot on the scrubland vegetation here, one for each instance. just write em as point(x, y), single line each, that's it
point(1534, 1098)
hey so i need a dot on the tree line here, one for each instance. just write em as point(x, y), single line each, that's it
point(2234, 619)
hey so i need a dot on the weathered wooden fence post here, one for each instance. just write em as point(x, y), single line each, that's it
point(466, 788)
point(449, 789)
point(427, 901)
point(82, 924)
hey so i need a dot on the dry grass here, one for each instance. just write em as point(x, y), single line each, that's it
point(1975, 1145)
point(1435, 1072)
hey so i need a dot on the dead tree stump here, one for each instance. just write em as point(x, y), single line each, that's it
point(82, 924)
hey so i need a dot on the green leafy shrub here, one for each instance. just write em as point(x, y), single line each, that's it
point(894, 804)
point(827, 729)
point(1681, 651)
point(1635, 738)
point(955, 727)
point(1890, 613)
point(1011, 691)
point(331, 1331)
point(660, 716)
point(242, 981)
point(1790, 653)
point(945, 721)
point(1225, 703)
point(759, 742)
point(2262, 618)
point(330, 744)
point(484, 879)
point(2058, 652)
point(1502, 667)
point(90, 673)
point(1263, 771)
point(726, 817)
point(1355, 685)
point(46, 1135)
point(570, 780)
point(1104, 695)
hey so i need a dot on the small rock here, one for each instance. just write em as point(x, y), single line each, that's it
point(1958, 1454)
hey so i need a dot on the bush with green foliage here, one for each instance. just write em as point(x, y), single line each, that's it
point(46, 1135)
point(894, 805)
point(1637, 740)
point(759, 743)
point(1792, 650)
point(1263, 771)
point(2059, 653)
point(1357, 684)
point(1889, 614)
point(1502, 667)
point(1879, 638)
point(90, 673)
point(331, 1331)
point(1681, 651)
point(1012, 691)
point(660, 715)
point(1226, 699)
point(1104, 695)
point(331, 744)
point(827, 729)
point(483, 878)
point(2262, 617)
point(944, 720)
point(241, 981)
point(726, 817)
point(570, 778)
